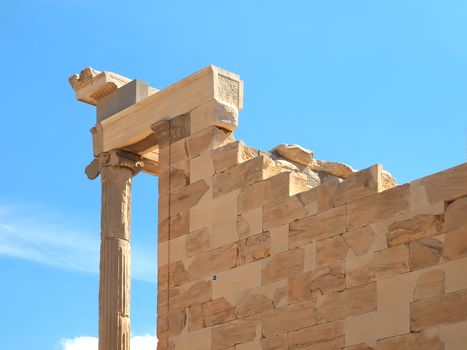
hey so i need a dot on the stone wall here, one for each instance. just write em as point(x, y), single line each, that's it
point(253, 255)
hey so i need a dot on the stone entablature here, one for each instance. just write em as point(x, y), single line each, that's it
point(277, 250)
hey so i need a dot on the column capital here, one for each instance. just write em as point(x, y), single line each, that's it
point(115, 158)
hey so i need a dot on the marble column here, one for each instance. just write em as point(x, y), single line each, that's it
point(117, 170)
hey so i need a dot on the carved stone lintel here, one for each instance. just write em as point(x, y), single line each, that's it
point(172, 130)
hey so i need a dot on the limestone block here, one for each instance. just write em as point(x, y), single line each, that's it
point(425, 252)
point(278, 342)
point(254, 345)
point(282, 212)
point(209, 212)
point(279, 239)
point(447, 185)
point(431, 312)
point(261, 299)
point(331, 250)
point(294, 153)
point(360, 239)
point(320, 198)
point(367, 328)
point(378, 207)
point(383, 264)
point(187, 197)
point(172, 250)
point(326, 336)
point(412, 341)
point(456, 214)
point(320, 226)
point(360, 184)
point(217, 311)
point(172, 275)
point(198, 242)
point(350, 302)
point(417, 227)
point(197, 340)
point(172, 154)
point(250, 223)
point(237, 279)
point(341, 170)
point(289, 318)
point(276, 188)
point(224, 232)
point(325, 280)
point(243, 175)
point(186, 295)
point(174, 226)
point(454, 336)
point(359, 347)
point(175, 323)
point(214, 261)
point(254, 304)
point(455, 244)
point(430, 284)
point(232, 154)
point(310, 257)
point(455, 276)
point(213, 113)
point(284, 264)
point(233, 333)
point(206, 140)
point(254, 248)
point(201, 167)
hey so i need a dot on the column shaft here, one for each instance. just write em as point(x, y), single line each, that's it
point(115, 259)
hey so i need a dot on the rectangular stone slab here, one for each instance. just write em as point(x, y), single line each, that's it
point(133, 124)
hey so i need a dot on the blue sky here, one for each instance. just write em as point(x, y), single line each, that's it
point(360, 82)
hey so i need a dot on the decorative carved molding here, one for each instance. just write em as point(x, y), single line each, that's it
point(119, 158)
point(172, 130)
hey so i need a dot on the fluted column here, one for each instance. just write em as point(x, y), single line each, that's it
point(116, 169)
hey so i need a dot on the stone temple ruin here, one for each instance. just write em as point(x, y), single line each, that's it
point(269, 250)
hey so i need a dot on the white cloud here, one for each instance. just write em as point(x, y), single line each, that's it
point(40, 235)
point(142, 342)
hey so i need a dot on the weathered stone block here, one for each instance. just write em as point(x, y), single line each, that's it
point(278, 342)
point(284, 264)
point(187, 197)
point(431, 312)
point(378, 207)
point(320, 226)
point(425, 252)
point(250, 223)
point(320, 198)
point(232, 154)
point(218, 311)
point(350, 302)
point(254, 248)
point(360, 184)
point(206, 140)
point(238, 279)
point(430, 284)
point(383, 264)
point(326, 280)
point(233, 333)
point(244, 174)
point(289, 318)
point(282, 212)
point(214, 261)
point(412, 341)
point(447, 185)
point(420, 226)
point(331, 250)
point(198, 242)
point(326, 336)
point(360, 239)
point(201, 167)
point(276, 188)
point(455, 244)
point(456, 214)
